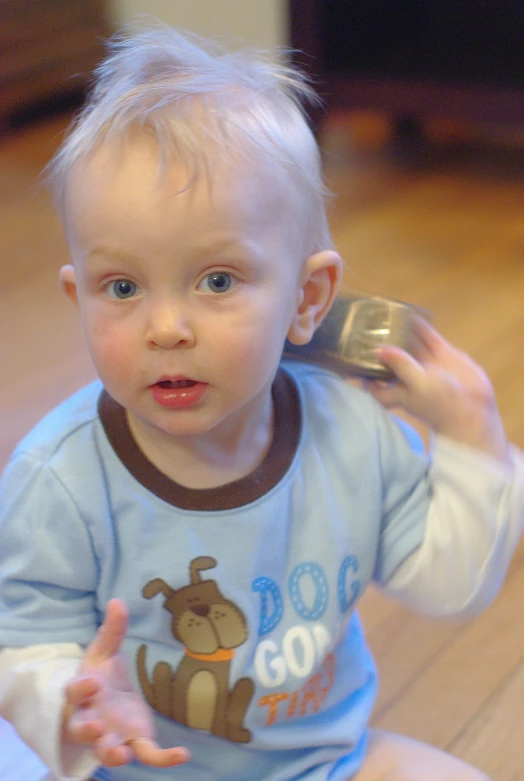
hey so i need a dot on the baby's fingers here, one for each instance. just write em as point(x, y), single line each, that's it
point(85, 727)
point(428, 337)
point(149, 753)
point(110, 635)
point(407, 370)
point(81, 689)
point(112, 751)
point(408, 375)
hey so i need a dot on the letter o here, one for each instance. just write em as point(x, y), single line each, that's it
point(321, 591)
point(295, 635)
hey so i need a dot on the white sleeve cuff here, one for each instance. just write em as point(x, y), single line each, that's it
point(474, 523)
point(32, 683)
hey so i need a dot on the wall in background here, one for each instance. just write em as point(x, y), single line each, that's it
point(262, 23)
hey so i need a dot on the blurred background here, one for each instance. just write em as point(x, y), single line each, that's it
point(422, 134)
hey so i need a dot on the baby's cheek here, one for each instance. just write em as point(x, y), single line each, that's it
point(246, 351)
point(113, 351)
point(258, 355)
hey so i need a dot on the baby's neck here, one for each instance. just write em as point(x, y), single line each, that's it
point(207, 461)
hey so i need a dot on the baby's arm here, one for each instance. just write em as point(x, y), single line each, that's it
point(475, 520)
point(78, 710)
point(32, 684)
point(476, 514)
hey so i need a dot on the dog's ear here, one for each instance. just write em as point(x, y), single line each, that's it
point(157, 586)
point(198, 564)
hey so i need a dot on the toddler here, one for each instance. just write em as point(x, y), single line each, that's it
point(183, 543)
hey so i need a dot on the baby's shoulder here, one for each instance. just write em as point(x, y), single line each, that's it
point(321, 389)
point(70, 419)
point(334, 409)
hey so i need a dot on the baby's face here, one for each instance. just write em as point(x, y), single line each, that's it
point(186, 295)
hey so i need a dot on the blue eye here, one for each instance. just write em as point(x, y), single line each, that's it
point(122, 288)
point(218, 282)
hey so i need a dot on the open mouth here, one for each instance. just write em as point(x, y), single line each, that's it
point(178, 394)
point(176, 384)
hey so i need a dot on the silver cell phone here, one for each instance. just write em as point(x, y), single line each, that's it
point(347, 339)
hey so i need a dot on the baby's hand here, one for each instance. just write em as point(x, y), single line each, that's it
point(103, 708)
point(445, 389)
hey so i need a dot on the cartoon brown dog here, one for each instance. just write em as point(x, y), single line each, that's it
point(197, 693)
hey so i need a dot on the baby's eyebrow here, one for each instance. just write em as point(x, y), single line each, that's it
point(107, 253)
point(225, 244)
point(231, 248)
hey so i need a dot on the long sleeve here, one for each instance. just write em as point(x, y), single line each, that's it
point(475, 519)
point(32, 682)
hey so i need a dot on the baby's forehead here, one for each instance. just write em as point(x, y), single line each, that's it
point(131, 184)
point(139, 161)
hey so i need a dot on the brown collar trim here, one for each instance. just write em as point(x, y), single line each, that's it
point(225, 497)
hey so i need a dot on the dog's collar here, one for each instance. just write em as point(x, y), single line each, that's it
point(222, 655)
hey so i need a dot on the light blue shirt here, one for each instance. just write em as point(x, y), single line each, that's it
point(243, 633)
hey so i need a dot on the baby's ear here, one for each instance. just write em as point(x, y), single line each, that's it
point(321, 277)
point(67, 281)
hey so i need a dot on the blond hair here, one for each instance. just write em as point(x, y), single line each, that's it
point(198, 98)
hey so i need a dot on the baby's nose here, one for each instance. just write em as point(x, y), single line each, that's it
point(168, 326)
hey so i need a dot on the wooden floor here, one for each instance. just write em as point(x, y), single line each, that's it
point(439, 222)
